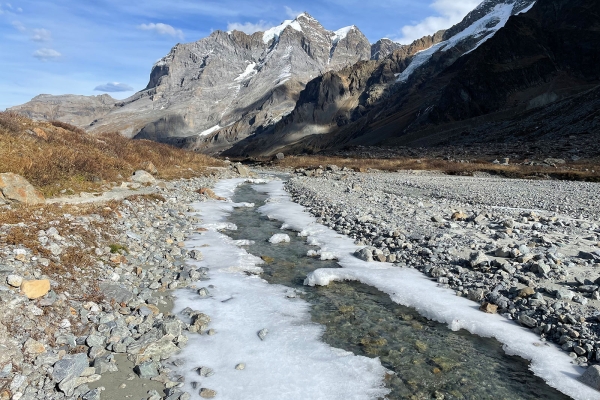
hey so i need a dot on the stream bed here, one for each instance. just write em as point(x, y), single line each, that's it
point(425, 359)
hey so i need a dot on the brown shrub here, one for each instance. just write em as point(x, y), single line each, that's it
point(70, 158)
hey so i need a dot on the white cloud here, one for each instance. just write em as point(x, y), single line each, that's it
point(448, 13)
point(114, 87)
point(292, 13)
point(249, 27)
point(19, 26)
point(41, 35)
point(46, 54)
point(162, 29)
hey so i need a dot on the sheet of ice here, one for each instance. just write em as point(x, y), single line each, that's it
point(247, 74)
point(209, 130)
point(279, 238)
point(501, 13)
point(276, 31)
point(291, 363)
point(407, 286)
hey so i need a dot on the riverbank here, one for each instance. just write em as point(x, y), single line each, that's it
point(85, 292)
point(526, 250)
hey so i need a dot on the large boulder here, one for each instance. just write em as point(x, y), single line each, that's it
point(141, 176)
point(15, 188)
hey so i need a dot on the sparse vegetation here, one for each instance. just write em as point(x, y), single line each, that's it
point(118, 249)
point(577, 171)
point(56, 156)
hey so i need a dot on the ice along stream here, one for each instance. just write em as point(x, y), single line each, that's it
point(427, 360)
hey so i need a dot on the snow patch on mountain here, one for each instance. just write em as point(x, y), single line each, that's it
point(276, 31)
point(209, 130)
point(342, 33)
point(483, 28)
point(248, 73)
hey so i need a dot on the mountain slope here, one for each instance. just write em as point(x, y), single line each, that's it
point(480, 74)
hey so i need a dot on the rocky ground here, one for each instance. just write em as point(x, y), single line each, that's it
point(100, 329)
point(529, 250)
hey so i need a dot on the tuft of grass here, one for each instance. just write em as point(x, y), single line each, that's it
point(55, 156)
point(118, 248)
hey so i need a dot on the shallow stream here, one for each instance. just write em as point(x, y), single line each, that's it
point(426, 359)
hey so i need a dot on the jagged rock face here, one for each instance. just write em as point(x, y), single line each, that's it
point(76, 110)
point(383, 48)
point(211, 93)
point(546, 52)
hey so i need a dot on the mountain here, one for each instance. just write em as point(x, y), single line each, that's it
point(74, 109)
point(492, 77)
point(222, 88)
point(210, 94)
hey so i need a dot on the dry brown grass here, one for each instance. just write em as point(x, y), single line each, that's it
point(580, 171)
point(55, 156)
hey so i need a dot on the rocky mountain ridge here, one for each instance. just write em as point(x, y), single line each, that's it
point(491, 80)
point(209, 94)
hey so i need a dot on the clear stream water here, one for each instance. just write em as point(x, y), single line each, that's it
point(427, 359)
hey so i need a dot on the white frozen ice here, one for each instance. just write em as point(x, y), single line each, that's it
point(408, 286)
point(292, 362)
point(279, 238)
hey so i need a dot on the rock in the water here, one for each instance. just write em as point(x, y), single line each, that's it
point(279, 238)
point(141, 176)
point(35, 289)
point(591, 376)
point(16, 188)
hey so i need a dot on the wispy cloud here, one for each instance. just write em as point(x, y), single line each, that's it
point(162, 29)
point(18, 25)
point(249, 27)
point(114, 87)
point(448, 13)
point(46, 54)
point(291, 13)
point(41, 35)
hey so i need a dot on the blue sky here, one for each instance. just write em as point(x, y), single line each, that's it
point(92, 47)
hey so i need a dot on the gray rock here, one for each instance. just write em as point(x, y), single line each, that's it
point(564, 294)
point(67, 370)
point(14, 280)
point(146, 370)
point(527, 321)
point(141, 176)
point(92, 395)
point(591, 377)
point(364, 254)
point(478, 258)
